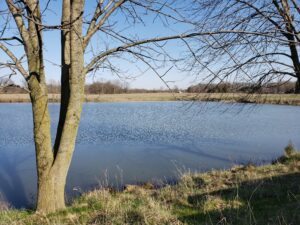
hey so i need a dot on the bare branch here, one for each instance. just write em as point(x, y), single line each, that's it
point(15, 60)
point(160, 39)
point(17, 14)
point(95, 27)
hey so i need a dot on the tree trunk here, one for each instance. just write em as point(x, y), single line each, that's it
point(53, 164)
point(297, 86)
point(52, 168)
point(46, 197)
point(42, 140)
point(65, 71)
point(51, 196)
point(285, 13)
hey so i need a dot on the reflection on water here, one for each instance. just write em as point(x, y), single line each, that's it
point(121, 143)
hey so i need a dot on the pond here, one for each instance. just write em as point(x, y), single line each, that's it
point(127, 143)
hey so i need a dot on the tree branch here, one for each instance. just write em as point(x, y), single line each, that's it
point(97, 26)
point(15, 60)
point(17, 14)
point(11, 39)
point(97, 58)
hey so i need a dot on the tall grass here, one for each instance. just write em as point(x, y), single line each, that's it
point(247, 195)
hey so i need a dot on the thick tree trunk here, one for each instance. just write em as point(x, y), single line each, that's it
point(65, 71)
point(297, 86)
point(53, 169)
point(295, 60)
point(51, 178)
point(42, 140)
point(290, 35)
point(53, 164)
point(45, 199)
point(51, 195)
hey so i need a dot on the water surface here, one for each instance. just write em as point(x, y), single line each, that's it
point(122, 143)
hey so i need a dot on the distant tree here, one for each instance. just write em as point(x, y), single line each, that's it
point(7, 86)
point(53, 86)
point(105, 88)
point(270, 88)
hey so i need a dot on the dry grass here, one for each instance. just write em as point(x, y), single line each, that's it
point(101, 207)
point(3, 206)
point(245, 195)
point(12, 98)
point(283, 99)
point(268, 194)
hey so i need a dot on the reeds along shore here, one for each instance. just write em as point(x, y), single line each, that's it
point(249, 194)
point(282, 99)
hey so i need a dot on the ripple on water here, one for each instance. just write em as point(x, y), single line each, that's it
point(145, 141)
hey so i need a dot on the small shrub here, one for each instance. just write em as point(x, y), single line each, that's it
point(290, 155)
point(289, 150)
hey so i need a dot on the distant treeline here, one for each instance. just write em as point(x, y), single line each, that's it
point(13, 89)
point(8, 86)
point(108, 87)
point(116, 87)
point(225, 87)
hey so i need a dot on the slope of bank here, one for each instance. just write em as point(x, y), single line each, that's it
point(268, 194)
point(282, 99)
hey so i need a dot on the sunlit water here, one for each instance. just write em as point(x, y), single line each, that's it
point(122, 143)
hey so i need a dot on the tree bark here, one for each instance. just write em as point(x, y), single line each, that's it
point(290, 34)
point(52, 186)
point(297, 86)
point(42, 140)
point(53, 164)
point(41, 117)
point(65, 71)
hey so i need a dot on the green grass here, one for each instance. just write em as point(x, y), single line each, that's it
point(268, 194)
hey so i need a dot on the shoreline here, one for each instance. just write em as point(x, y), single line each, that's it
point(237, 195)
point(277, 99)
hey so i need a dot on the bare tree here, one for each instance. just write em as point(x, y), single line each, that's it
point(78, 27)
point(263, 49)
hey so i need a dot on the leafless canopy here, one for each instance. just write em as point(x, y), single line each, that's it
point(263, 49)
point(110, 30)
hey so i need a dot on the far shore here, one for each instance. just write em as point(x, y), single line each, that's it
point(280, 99)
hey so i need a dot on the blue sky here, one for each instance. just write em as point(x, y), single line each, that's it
point(137, 74)
point(134, 77)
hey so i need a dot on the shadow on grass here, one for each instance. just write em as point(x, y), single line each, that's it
point(273, 200)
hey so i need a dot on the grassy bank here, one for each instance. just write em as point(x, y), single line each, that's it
point(283, 99)
point(268, 194)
